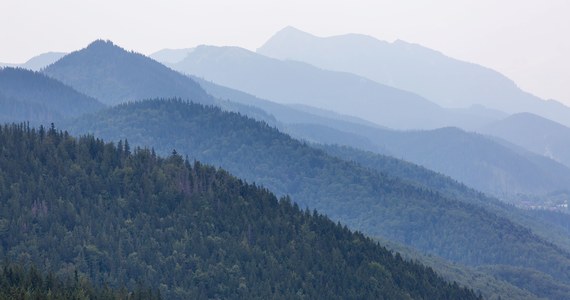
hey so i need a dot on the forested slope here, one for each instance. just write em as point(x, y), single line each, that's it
point(376, 203)
point(17, 282)
point(124, 217)
point(31, 96)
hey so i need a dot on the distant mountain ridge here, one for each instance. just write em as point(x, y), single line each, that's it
point(37, 62)
point(471, 158)
point(113, 75)
point(292, 119)
point(171, 56)
point(34, 97)
point(478, 161)
point(444, 80)
point(289, 82)
point(535, 133)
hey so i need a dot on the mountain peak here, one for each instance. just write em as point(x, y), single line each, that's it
point(104, 46)
point(290, 30)
point(97, 53)
point(113, 75)
point(39, 62)
point(291, 43)
point(171, 56)
point(286, 36)
point(100, 43)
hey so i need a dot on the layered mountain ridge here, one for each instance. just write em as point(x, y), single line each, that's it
point(446, 81)
point(292, 82)
point(383, 197)
point(375, 203)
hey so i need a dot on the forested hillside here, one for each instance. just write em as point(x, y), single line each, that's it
point(551, 225)
point(31, 96)
point(19, 283)
point(124, 217)
point(378, 204)
point(486, 164)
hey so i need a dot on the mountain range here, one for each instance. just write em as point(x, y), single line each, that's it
point(495, 167)
point(382, 196)
point(446, 81)
point(473, 159)
point(534, 133)
point(292, 82)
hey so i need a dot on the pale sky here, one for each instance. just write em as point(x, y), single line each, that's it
point(527, 40)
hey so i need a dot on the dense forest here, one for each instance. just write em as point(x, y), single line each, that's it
point(376, 203)
point(27, 284)
point(123, 217)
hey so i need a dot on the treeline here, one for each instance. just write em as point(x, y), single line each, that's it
point(19, 283)
point(126, 218)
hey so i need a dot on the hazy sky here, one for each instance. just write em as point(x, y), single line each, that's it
point(527, 40)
